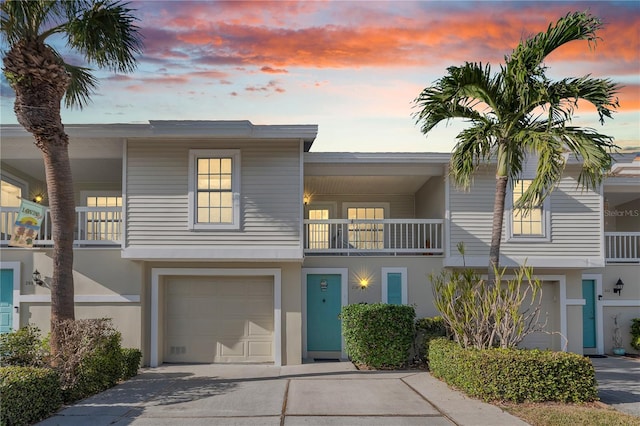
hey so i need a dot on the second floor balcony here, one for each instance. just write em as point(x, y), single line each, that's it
point(622, 247)
point(385, 237)
point(94, 226)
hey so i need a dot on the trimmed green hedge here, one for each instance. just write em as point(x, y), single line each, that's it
point(635, 333)
point(378, 335)
point(514, 374)
point(131, 358)
point(99, 370)
point(29, 394)
point(427, 329)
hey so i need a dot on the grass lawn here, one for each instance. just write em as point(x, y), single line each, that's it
point(556, 414)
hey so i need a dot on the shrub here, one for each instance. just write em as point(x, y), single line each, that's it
point(90, 359)
point(514, 374)
point(378, 335)
point(483, 314)
point(23, 348)
point(131, 358)
point(29, 394)
point(427, 329)
point(635, 333)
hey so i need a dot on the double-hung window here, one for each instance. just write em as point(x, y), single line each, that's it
point(214, 186)
point(104, 216)
point(365, 232)
point(527, 224)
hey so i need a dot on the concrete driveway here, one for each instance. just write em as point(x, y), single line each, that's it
point(619, 383)
point(308, 394)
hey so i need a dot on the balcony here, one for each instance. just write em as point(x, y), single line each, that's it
point(622, 247)
point(95, 227)
point(345, 237)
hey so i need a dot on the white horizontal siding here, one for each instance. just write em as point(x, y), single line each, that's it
point(575, 222)
point(157, 195)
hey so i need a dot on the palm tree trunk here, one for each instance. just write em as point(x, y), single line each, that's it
point(40, 81)
point(498, 213)
point(62, 210)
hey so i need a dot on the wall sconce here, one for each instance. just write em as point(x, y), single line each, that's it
point(37, 278)
point(306, 198)
point(38, 198)
point(617, 287)
point(364, 283)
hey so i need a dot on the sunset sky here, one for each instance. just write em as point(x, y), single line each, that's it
point(352, 67)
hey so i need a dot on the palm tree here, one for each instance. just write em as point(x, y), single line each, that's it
point(105, 34)
point(517, 112)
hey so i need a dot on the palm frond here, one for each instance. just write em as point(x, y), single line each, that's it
point(475, 145)
point(457, 95)
point(600, 92)
point(593, 149)
point(83, 84)
point(530, 53)
point(546, 144)
point(106, 34)
point(25, 19)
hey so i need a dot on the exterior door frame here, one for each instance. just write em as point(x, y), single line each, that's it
point(344, 298)
point(15, 266)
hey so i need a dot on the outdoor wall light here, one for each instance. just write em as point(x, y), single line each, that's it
point(37, 278)
point(306, 198)
point(364, 283)
point(617, 288)
point(37, 196)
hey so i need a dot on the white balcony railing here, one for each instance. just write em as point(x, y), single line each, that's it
point(362, 237)
point(95, 226)
point(622, 247)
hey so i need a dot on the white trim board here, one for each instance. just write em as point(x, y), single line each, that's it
point(157, 273)
point(84, 298)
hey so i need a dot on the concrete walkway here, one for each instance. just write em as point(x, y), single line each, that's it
point(308, 394)
point(619, 383)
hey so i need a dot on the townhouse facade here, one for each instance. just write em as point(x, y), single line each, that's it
point(225, 241)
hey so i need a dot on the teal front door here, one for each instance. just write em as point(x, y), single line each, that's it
point(589, 314)
point(6, 300)
point(323, 308)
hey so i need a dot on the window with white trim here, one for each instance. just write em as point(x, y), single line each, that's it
point(318, 233)
point(394, 286)
point(214, 186)
point(11, 192)
point(527, 224)
point(103, 216)
point(363, 233)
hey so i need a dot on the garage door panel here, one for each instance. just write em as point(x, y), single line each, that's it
point(219, 319)
point(230, 348)
point(260, 349)
point(260, 327)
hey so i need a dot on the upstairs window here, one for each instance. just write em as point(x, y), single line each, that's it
point(214, 182)
point(529, 224)
point(104, 216)
point(318, 233)
point(366, 235)
point(10, 193)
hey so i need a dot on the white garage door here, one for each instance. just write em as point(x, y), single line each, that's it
point(548, 310)
point(219, 319)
